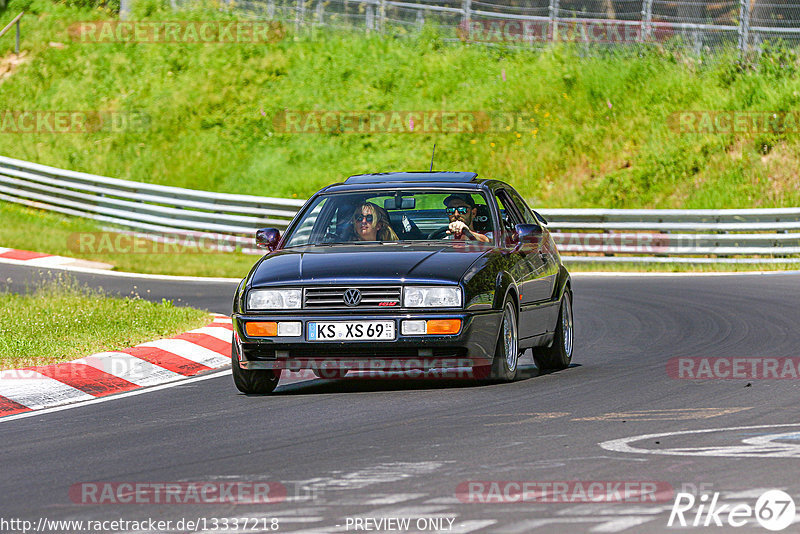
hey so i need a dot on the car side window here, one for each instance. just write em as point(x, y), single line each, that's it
point(309, 226)
point(527, 215)
point(508, 212)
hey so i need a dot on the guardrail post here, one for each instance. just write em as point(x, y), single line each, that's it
point(299, 15)
point(420, 20)
point(369, 19)
point(645, 34)
point(320, 13)
point(381, 15)
point(467, 7)
point(553, 22)
point(744, 26)
point(16, 44)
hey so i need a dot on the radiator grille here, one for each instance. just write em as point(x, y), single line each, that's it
point(332, 298)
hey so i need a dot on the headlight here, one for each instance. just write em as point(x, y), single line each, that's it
point(275, 299)
point(432, 297)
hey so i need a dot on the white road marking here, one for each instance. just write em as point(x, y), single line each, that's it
point(394, 498)
point(372, 475)
point(757, 447)
point(219, 332)
point(130, 368)
point(113, 397)
point(616, 524)
point(119, 274)
point(49, 261)
point(190, 351)
point(470, 526)
point(34, 390)
point(414, 512)
point(621, 523)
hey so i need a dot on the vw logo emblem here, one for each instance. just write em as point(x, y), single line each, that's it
point(352, 297)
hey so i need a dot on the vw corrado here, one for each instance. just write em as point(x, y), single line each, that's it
point(421, 270)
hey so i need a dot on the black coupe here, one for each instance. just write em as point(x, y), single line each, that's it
point(404, 270)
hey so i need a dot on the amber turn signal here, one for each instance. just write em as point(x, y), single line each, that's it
point(261, 329)
point(444, 326)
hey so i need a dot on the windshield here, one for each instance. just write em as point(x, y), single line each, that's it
point(388, 216)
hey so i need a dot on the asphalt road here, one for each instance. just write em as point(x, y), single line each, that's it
point(355, 449)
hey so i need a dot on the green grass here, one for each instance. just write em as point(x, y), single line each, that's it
point(594, 130)
point(61, 321)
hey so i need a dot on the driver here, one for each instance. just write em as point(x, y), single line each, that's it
point(461, 211)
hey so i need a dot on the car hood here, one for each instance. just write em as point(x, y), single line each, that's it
point(378, 263)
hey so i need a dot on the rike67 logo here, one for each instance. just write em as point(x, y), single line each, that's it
point(774, 510)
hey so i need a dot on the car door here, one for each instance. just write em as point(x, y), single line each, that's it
point(546, 265)
point(537, 289)
point(527, 266)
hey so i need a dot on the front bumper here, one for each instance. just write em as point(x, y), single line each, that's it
point(474, 345)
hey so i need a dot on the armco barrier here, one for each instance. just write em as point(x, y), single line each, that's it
point(600, 235)
point(139, 206)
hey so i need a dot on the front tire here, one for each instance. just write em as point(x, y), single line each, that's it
point(559, 354)
point(253, 381)
point(506, 357)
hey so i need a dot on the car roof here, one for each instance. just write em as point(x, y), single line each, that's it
point(407, 177)
point(408, 180)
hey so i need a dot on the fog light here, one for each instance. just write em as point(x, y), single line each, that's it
point(444, 326)
point(412, 328)
point(261, 329)
point(289, 329)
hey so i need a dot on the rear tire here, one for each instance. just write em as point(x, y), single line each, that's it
point(559, 354)
point(506, 353)
point(253, 381)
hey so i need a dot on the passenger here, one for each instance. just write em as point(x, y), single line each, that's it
point(461, 211)
point(371, 223)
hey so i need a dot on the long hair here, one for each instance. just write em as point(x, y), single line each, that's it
point(385, 232)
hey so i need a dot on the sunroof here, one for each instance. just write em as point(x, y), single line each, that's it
point(443, 176)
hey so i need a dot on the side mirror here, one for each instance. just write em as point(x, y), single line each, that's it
point(268, 238)
point(528, 234)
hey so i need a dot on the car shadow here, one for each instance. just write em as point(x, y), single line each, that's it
point(391, 382)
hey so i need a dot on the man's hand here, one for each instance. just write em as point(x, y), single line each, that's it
point(457, 228)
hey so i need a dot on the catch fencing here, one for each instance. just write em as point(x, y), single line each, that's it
point(697, 25)
point(583, 235)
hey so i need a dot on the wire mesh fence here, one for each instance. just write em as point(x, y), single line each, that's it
point(699, 25)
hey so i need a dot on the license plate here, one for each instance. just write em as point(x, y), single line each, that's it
point(351, 331)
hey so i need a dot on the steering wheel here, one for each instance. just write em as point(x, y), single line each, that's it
point(439, 233)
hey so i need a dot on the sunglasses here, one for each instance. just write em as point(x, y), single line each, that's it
point(362, 217)
point(461, 209)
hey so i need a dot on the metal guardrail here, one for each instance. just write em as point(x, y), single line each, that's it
point(600, 235)
point(15, 21)
point(143, 207)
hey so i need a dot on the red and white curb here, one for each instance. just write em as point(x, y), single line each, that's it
point(106, 373)
point(40, 259)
